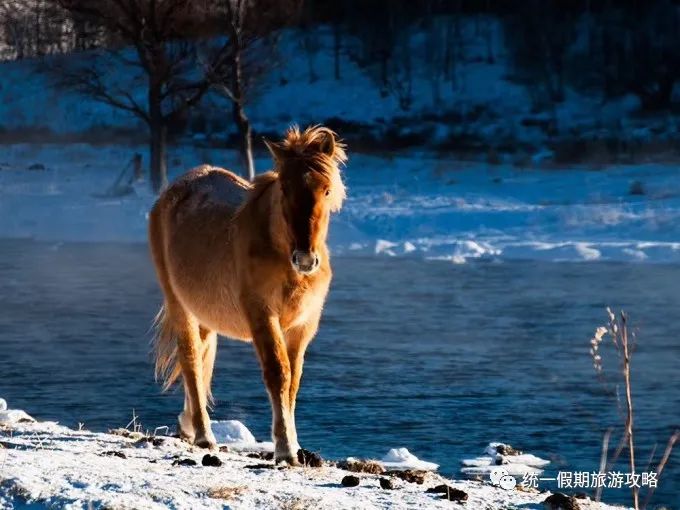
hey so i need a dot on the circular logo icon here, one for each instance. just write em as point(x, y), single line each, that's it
point(497, 473)
point(507, 482)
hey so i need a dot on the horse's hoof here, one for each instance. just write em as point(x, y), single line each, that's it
point(289, 459)
point(185, 429)
point(186, 438)
point(206, 442)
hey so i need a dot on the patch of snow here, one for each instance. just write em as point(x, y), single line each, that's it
point(231, 431)
point(12, 416)
point(383, 246)
point(587, 252)
point(401, 458)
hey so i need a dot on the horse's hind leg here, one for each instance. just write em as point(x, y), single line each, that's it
point(190, 351)
point(179, 346)
point(209, 339)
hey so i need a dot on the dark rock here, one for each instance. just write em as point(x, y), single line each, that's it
point(581, 495)
point(307, 458)
point(449, 493)
point(184, 462)
point(261, 455)
point(211, 460)
point(387, 484)
point(506, 449)
point(409, 475)
point(112, 453)
point(146, 440)
point(362, 466)
point(559, 501)
point(455, 495)
point(439, 489)
point(263, 466)
point(350, 481)
point(224, 449)
point(37, 166)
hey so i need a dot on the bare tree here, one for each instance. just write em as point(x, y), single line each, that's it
point(32, 28)
point(249, 26)
point(154, 37)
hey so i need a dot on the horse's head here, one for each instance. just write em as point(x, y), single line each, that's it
point(308, 166)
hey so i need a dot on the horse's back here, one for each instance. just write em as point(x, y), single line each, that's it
point(205, 189)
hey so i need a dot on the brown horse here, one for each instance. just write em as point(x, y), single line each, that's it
point(250, 262)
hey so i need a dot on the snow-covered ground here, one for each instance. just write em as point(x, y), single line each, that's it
point(414, 205)
point(43, 464)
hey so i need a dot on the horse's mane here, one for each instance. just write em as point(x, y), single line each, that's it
point(321, 149)
point(310, 143)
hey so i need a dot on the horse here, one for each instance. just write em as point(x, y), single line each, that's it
point(248, 261)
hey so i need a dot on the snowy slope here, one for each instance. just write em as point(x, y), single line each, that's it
point(480, 103)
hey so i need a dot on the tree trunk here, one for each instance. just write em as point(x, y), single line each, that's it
point(158, 142)
point(159, 171)
point(246, 144)
point(240, 117)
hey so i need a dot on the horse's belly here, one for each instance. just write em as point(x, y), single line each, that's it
point(219, 313)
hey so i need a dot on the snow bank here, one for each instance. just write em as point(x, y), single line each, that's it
point(238, 437)
point(12, 416)
point(232, 431)
point(401, 458)
point(516, 463)
point(43, 464)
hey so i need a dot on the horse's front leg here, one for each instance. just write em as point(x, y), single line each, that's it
point(297, 340)
point(273, 356)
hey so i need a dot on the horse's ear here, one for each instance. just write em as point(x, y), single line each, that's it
point(275, 149)
point(327, 143)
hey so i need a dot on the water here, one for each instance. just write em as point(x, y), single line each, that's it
point(437, 357)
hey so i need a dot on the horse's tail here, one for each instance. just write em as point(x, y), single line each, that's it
point(167, 367)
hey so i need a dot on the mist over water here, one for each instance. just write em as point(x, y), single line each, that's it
point(432, 356)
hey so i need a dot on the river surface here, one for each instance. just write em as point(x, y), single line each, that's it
point(436, 357)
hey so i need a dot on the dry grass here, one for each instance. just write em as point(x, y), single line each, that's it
point(299, 504)
point(226, 492)
point(362, 466)
point(624, 343)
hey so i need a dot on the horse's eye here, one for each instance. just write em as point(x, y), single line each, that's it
point(327, 192)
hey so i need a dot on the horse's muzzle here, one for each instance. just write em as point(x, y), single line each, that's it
point(305, 262)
